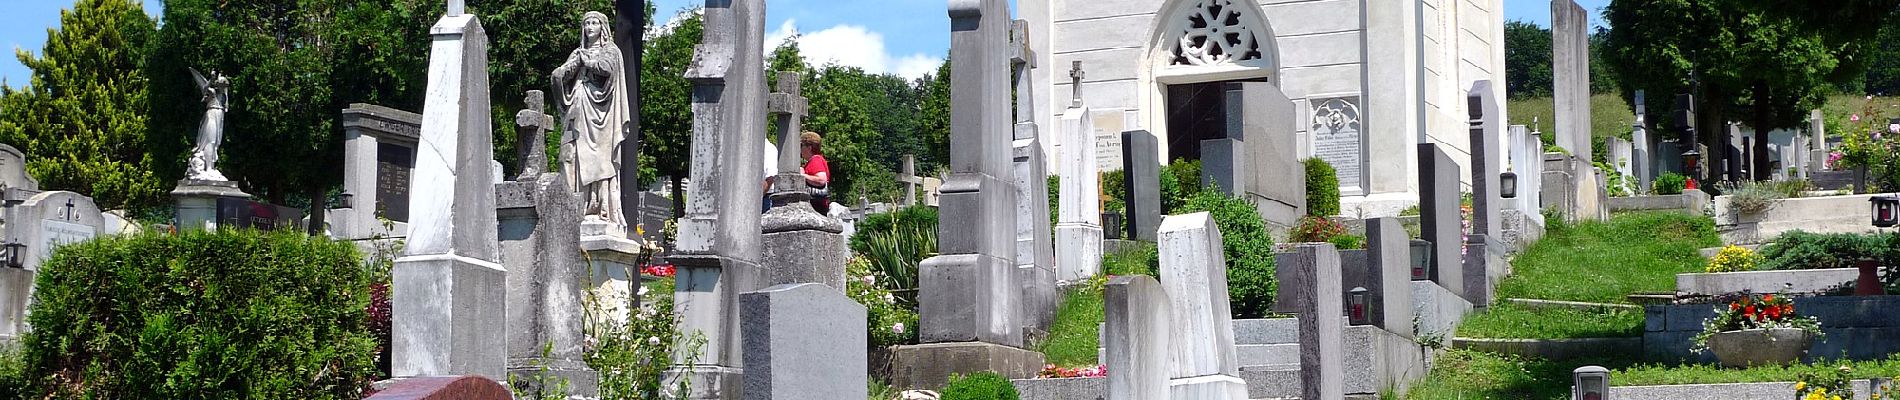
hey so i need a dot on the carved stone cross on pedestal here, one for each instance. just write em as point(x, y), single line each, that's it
point(1075, 83)
point(532, 143)
point(788, 110)
point(908, 176)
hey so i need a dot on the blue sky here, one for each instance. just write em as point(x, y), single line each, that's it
point(907, 37)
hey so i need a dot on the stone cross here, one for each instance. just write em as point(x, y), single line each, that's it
point(456, 8)
point(1075, 83)
point(534, 124)
point(788, 110)
point(908, 175)
point(1021, 60)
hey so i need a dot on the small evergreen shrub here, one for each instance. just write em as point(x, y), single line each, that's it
point(1187, 183)
point(1668, 184)
point(1249, 249)
point(1803, 250)
point(1348, 242)
point(1322, 188)
point(979, 386)
point(232, 314)
point(1170, 192)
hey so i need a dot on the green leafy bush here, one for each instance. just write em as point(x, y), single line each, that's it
point(1186, 183)
point(231, 315)
point(889, 323)
point(1322, 188)
point(979, 386)
point(1348, 242)
point(1115, 187)
point(1668, 183)
point(895, 243)
point(1249, 249)
point(632, 356)
point(1803, 250)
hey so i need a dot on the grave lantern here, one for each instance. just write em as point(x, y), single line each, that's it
point(345, 200)
point(1421, 260)
point(1592, 383)
point(1358, 314)
point(1884, 210)
point(1507, 185)
point(13, 253)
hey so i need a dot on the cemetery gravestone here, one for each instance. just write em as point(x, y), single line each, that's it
point(968, 295)
point(1338, 138)
point(1486, 121)
point(1439, 217)
point(1143, 199)
point(1388, 277)
point(1079, 231)
point(1817, 131)
point(246, 214)
point(1570, 74)
point(801, 245)
point(1194, 274)
point(1035, 248)
point(1275, 179)
point(1136, 338)
point(42, 222)
point(379, 157)
point(1642, 148)
point(448, 294)
point(719, 246)
point(1310, 288)
point(538, 237)
point(803, 341)
point(13, 170)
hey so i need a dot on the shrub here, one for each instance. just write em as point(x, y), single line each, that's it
point(1348, 242)
point(632, 356)
point(895, 243)
point(1669, 183)
point(1733, 258)
point(979, 386)
point(1249, 250)
point(1750, 198)
point(1803, 250)
point(232, 314)
point(1115, 188)
point(1186, 175)
point(1312, 229)
point(1322, 188)
point(889, 323)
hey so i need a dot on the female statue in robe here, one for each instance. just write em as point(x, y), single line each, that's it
point(593, 94)
point(216, 92)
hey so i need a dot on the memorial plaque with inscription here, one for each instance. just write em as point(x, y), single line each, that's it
point(1338, 138)
point(241, 213)
point(655, 210)
point(57, 233)
point(1109, 125)
point(393, 165)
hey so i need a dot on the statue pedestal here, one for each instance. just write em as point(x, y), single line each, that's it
point(198, 202)
point(614, 264)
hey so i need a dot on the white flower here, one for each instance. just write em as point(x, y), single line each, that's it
point(897, 328)
point(653, 340)
point(870, 279)
point(643, 291)
point(888, 298)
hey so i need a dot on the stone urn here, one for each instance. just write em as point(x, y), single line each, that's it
point(1777, 346)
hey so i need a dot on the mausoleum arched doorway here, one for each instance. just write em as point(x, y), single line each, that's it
point(1196, 46)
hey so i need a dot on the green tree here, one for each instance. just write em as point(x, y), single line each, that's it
point(1763, 68)
point(82, 122)
point(933, 123)
point(841, 110)
point(1526, 59)
point(527, 40)
point(666, 117)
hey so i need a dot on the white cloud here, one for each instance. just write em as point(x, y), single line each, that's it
point(852, 45)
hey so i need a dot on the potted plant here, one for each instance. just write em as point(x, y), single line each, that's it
point(1757, 330)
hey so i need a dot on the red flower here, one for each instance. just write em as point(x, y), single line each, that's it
point(1774, 312)
point(1768, 298)
point(1734, 306)
point(1749, 311)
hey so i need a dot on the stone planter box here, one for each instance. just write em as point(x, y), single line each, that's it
point(1857, 327)
point(1690, 202)
point(1792, 281)
point(1832, 214)
point(1775, 346)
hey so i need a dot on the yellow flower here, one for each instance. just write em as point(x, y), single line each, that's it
point(1836, 397)
point(1800, 385)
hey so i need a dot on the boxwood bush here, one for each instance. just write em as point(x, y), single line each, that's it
point(1668, 183)
point(225, 315)
point(1322, 188)
point(1249, 249)
point(1803, 250)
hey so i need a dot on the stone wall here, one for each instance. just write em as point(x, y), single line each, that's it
point(1832, 214)
point(1859, 327)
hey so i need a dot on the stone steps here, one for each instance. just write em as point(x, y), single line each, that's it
point(1268, 354)
point(1272, 382)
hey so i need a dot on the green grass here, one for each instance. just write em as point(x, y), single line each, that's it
point(1657, 374)
point(1506, 320)
point(1601, 262)
point(1072, 336)
point(1468, 374)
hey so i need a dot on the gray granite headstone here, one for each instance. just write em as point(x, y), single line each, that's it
point(379, 157)
point(1194, 273)
point(1310, 288)
point(13, 170)
point(1136, 338)
point(719, 245)
point(803, 341)
point(540, 243)
point(1143, 175)
point(1570, 74)
point(1439, 217)
point(1389, 271)
point(449, 287)
point(1486, 159)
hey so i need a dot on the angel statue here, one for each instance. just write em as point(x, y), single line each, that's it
point(217, 96)
point(592, 93)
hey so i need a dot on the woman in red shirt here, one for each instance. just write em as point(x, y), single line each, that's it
point(817, 172)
